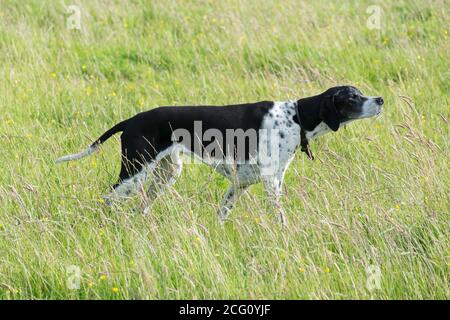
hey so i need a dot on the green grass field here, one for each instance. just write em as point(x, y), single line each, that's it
point(377, 196)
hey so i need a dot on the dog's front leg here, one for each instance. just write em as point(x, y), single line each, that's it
point(273, 188)
point(228, 201)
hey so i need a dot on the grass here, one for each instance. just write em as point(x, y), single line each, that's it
point(377, 195)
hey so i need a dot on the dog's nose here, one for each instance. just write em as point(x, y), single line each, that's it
point(379, 100)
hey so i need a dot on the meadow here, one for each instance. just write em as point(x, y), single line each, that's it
point(368, 219)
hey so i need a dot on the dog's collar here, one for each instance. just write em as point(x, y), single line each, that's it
point(303, 140)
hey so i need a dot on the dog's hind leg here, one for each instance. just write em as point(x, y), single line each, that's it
point(128, 187)
point(138, 162)
point(229, 199)
point(166, 172)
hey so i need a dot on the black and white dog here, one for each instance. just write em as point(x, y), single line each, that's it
point(260, 141)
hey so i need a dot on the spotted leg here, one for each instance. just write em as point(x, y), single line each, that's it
point(125, 189)
point(229, 199)
point(273, 188)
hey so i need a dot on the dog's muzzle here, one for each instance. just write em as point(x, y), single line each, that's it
point(372, 107)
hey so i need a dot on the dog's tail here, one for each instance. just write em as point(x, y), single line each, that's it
point(94, 146)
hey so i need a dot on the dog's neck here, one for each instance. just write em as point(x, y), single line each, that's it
point(307, 120)
point(309, 111)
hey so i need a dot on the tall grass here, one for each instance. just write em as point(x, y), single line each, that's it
point(377, 195)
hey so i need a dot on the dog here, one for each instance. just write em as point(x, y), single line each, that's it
point(268, 130)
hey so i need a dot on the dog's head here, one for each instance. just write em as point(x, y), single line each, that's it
point(346, 103)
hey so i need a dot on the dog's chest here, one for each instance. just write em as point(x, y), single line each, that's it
point(287, 132)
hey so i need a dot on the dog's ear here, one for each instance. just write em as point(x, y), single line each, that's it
point(328, 113)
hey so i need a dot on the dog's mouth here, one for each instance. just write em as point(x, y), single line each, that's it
point(376, 113)
point(379, 110)
point(365, 114)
